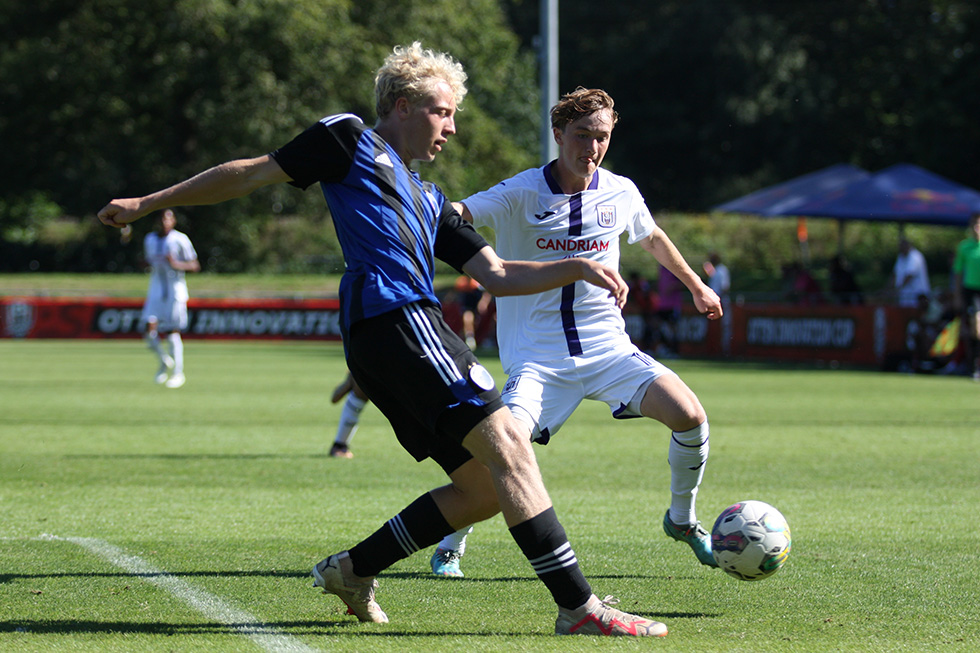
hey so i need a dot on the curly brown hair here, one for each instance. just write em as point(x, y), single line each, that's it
point(581, 102)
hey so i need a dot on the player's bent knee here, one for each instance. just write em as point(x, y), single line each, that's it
point(500, 443)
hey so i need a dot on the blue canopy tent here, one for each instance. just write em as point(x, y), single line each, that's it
point(784, 199)
point(901, 193)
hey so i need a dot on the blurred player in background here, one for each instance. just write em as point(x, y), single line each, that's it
point(473, 304)
point(966, 291)
point(441, 402)
point(350, 415)
point(169, 254)
point(566, 345)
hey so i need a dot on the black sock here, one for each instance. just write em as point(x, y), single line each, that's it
point(543, 541)
point(416, 527)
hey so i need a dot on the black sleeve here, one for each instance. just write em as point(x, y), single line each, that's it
point(324, 152)
point(456, 239)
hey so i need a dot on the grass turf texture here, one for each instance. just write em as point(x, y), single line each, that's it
point(225, 487)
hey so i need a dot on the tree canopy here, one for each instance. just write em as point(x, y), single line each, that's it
point(103, 98)
point(108, 98)
point(721, 97)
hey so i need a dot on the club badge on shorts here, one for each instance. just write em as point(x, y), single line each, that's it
point(480, 377)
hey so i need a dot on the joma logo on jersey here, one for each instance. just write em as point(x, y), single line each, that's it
point(607, 215)
point(572, 245)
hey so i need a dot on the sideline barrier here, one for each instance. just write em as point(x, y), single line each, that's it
point(858, 335)
point(276, 319)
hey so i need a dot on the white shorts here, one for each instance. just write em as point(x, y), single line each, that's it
point(544, 395)
point(170, 314)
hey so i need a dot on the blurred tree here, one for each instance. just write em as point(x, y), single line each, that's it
point(719, 98)
point(103, 98)
point(100, 98)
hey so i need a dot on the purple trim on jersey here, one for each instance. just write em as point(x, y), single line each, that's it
point(568, 292)
point(549, 178)
point(575, 215)
point(574, 229)
point(568, 320)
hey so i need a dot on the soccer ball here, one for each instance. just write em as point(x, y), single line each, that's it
point(750, 540)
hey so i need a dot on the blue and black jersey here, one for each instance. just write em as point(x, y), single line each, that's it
point(391, 224)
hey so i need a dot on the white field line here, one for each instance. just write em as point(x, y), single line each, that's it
point(207, 604)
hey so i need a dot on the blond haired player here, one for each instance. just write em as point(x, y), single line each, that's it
point(441, 402)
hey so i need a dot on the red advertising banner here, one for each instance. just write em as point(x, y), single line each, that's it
point(861, 335)
point(278, 319)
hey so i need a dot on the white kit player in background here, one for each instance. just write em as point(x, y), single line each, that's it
point(169, 254)
point(563, 346)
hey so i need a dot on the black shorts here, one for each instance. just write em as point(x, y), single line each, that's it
point(971, 301)
point(471, 300)
point(424, 379)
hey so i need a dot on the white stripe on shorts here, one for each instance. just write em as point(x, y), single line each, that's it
point(431, 344)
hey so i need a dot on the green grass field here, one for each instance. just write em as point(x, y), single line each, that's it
point(137, 518)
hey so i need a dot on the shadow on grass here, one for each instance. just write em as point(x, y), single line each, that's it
point(417, 575)
point(296, 628)
point(7, 578)
point(259, 573)
point(203, 456)
point(62, 627)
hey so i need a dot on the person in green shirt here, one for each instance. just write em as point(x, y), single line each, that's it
point(966, 283)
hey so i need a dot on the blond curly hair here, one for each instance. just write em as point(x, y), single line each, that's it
point(412, 72)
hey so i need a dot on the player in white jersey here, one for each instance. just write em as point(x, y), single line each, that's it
point(562, 346)
point(169, 254)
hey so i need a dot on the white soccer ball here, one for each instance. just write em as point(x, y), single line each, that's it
point(750, 540)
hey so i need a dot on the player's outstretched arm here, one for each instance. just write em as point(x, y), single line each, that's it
point(660, 246)
point(218, 184)
point(502, 278)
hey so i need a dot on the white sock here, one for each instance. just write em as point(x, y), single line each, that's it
point(153, 342)
point(456, 541)
point(687, 455)
point(176, 352)
point(350, 416)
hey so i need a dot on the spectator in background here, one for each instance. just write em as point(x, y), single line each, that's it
point(473, 304)
point(966, 291)
point(638, 310)
point(719, 279)
point(843, 287)
point(910, 277)
point(667, 313)
point(800, 287)
point(924, 328)
point(169, 254)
